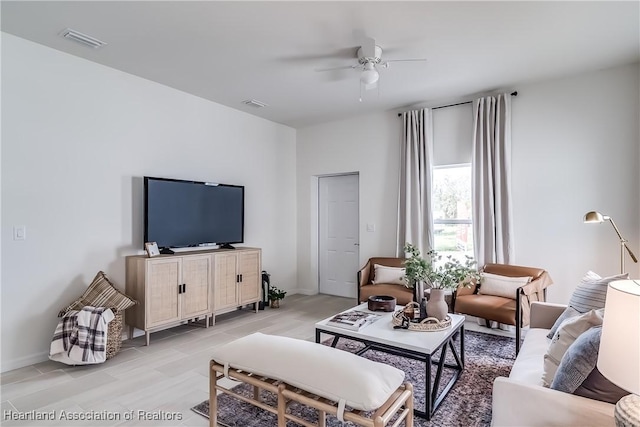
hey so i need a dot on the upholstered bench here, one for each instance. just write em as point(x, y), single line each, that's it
point(329, 380)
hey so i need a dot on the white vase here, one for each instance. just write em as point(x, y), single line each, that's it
point(437, 306)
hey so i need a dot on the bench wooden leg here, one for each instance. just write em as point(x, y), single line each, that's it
point(408, 422)
point(282, 407)
point(213, 397)
point(322, 419)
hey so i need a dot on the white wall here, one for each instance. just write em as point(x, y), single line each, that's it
point(76, 139)
point(575, 149)
point(367, 145)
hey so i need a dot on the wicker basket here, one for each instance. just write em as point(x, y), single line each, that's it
point(114, 334)
point(429, 324)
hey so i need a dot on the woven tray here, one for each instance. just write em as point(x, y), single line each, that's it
point(429, 324)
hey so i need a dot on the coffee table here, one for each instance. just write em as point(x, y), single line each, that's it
point(416, 345)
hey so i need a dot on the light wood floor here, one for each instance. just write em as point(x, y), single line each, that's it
point(165, 379)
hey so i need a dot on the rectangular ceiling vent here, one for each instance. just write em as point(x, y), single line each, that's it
point(255, 103)
point(79, 37)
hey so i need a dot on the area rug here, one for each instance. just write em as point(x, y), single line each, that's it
point(467, 404)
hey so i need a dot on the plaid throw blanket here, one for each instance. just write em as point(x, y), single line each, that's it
point(81, 336)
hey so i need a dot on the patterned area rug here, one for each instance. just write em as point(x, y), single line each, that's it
point(467, 404)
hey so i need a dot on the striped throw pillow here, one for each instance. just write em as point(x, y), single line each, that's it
point(590, 294)
point(101, 293)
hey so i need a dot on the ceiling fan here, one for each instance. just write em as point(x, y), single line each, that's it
point(369, 57)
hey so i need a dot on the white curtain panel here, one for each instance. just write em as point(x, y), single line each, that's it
point(491, 165)
point(416, 175)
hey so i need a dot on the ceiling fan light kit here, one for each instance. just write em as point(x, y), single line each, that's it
point(369, 75)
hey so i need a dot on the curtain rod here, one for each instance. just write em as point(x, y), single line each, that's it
point(459, 103)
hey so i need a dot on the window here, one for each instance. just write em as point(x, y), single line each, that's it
point(452, 226)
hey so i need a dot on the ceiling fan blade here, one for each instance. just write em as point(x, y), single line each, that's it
point(337, 68)
point(369, 47)
point(406, 60)
point(343, 53)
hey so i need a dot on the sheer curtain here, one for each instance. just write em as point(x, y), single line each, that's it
point(414, 200)
point(491, 164)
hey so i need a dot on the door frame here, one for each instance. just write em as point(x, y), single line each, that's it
point(315, 223)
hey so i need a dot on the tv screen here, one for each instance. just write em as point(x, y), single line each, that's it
point(190, 213)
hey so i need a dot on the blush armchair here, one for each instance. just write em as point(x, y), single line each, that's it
point(509, 311)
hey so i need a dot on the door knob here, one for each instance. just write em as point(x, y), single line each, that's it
point(356, 244)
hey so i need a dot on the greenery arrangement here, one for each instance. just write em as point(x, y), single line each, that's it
point(415, 266)
point(447, 275)
point(276, 294)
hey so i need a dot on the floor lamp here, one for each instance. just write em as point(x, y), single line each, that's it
point(593, 217)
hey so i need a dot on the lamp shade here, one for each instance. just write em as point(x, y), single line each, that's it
point(594, 216)
point(619, 354)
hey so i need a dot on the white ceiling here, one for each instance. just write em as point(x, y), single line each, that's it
point(231, 51)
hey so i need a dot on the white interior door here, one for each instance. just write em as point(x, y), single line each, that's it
point(338, 235)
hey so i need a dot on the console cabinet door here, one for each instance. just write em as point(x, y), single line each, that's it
point(225, 292)
point(162, 280)
point(196, 278)
point(250, 277)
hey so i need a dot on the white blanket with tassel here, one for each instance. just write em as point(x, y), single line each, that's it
point(81, 336)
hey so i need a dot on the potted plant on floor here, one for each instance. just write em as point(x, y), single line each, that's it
point(275, 295)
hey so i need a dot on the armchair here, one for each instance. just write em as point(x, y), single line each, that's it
point(366, 288)
point(509, 311)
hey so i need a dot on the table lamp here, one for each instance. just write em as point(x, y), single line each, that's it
point(619, 354)
point(597, 217)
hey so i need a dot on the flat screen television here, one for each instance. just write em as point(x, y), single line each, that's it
point(190, 213)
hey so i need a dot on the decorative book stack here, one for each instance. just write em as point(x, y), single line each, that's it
point(353, 320)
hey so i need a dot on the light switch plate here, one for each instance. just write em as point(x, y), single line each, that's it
point(19, 232)
point(371, 228)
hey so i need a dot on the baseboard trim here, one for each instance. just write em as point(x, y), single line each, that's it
point(21, 362)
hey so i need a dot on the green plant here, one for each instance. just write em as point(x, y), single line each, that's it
point(452, 272)
point(447, 275)
point(416, 267)
point(275, 293)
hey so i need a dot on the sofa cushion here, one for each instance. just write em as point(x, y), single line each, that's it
point(596, 386)
point(325, 371)
point(391, 275)
point(501, 286)
point(566, 334)
point(528, 366)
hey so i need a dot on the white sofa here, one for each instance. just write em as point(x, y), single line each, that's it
point(521, 400)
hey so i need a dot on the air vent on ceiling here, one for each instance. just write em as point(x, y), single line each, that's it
point(82, 38)
point(255, 103)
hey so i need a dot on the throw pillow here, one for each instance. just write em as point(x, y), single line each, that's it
point(566, 314)
point(566, 334)
point(384, 274)
point(501, 286)
point(101, 293)
point(578, 362)
point(591, 292)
